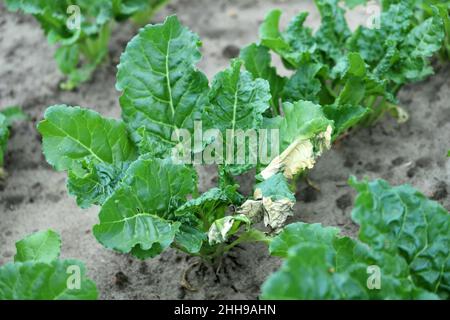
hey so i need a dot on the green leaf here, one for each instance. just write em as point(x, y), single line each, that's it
point(237, 104)
point(344, 116)
point(301, 119)
point(237, 101)
point(71, 134)
point(334, 31)
point(42, 246)
point(137, 217)
point(354, 3)
point(308, 274)
point(276, 188)
point(425, 39)
point(67, 58)
point(304, 84)
point(190, 239)
point(294, 44)
point(44, 281)
point(162, 90)
point(13, 114)
point(299, 232)
point(257, 61)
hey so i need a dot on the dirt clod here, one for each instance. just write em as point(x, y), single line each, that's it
point(120, 279)
point(440, 191)
point(344, 201)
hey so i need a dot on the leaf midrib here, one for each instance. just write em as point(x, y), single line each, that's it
point(169, 89)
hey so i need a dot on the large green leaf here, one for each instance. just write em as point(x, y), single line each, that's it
point(236, 100)
point(237, 104)
point(308, 274)
point(71, 134)
point(162, 90)
point(137, 218)
point(94, 150)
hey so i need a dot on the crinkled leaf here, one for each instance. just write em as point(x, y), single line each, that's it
point(92, 183)
point(212, 204)
point(333, 31)
point(304, 84)
point(403, 222)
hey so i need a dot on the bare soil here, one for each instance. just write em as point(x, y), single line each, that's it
point(34, 196)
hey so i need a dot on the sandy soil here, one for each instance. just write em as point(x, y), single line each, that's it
point(35, 198)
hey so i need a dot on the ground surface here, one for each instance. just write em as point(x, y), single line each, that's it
point(35, 198)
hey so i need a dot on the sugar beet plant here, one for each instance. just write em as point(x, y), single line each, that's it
point(402, 251)
point(149, 201)
point(423, 9)
point(354, 76)
point(82, 29)
point(124, 167)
